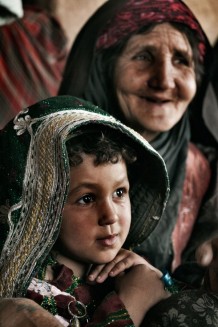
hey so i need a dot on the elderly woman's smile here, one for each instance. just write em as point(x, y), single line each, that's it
point(155, 79)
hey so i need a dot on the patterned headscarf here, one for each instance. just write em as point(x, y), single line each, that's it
point(138, 13)
point(35, 175)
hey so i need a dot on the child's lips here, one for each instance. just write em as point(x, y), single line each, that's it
point(108, 240)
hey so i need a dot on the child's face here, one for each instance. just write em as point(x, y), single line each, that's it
point(97, 215)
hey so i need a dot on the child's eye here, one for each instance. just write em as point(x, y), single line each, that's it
point(119, 193)
point(86, 199)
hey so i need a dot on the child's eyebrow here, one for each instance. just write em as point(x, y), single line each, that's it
point(93, 186)
point(83, 185)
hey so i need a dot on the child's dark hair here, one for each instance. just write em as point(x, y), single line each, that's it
point(106, 147)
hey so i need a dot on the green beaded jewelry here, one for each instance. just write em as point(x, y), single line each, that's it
point(49, 304)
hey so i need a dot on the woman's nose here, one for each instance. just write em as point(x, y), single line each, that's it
point(163, 76)
point(107, 214)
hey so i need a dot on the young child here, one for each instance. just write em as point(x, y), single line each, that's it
point(67, 239)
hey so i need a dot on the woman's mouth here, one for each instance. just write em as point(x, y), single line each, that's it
point(156, 100)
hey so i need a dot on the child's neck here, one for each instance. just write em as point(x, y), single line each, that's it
point(79, 269)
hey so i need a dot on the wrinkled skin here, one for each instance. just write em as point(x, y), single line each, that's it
point(21, 312)
point(155, 80)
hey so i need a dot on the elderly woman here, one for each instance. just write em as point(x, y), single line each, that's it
point(145, 61)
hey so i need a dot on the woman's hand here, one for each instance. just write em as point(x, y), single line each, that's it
point(124, 260)
point(21, 312)
point(207, 256)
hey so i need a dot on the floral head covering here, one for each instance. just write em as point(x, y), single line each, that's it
point(35, 174)
point(138, 13)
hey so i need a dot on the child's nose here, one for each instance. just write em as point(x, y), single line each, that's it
point(107, 214)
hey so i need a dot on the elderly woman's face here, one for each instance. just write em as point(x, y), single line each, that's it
point(155, 80)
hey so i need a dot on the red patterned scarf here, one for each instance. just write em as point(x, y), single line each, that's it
point(138, 13)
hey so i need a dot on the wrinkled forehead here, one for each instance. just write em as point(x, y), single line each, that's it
point(160, 38)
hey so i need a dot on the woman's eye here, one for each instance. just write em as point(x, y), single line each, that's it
point(86, 199)
point(181, 59)
point(145, 56)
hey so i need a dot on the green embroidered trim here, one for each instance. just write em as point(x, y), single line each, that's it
point(49, 261)
point(49, 304)
point(77, 281)
point(116, 316)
